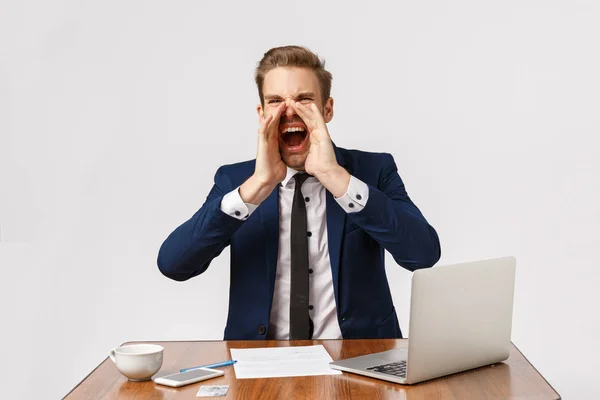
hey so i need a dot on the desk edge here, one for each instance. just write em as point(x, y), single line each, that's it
point(538, 372)
point(217, 340)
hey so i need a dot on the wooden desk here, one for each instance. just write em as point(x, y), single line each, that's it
point(515, 378)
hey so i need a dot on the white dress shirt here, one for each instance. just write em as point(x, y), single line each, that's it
point(322, 307)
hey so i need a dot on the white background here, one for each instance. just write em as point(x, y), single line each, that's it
point(115, 115)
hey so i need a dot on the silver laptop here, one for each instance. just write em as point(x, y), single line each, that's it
point(460, 319)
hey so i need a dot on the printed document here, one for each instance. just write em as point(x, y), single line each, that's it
point(275, 362)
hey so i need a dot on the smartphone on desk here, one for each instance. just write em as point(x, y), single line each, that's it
point(186, 378)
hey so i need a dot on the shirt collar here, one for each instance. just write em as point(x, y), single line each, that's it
point(289, 175)
point(291, 172)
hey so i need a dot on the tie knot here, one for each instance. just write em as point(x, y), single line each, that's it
point(300, 177)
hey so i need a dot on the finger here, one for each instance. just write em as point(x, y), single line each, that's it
point(317, 116)
point(272, 128)
point(310, 115)
point(315, 109)
point(303, 113)
point(301, 109)
point(264, 123)
point(279, 111)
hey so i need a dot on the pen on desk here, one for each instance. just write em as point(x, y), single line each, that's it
point(215, 365)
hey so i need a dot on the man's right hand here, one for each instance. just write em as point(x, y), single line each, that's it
point(270, 168)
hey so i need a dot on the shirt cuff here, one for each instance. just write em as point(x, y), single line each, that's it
point(356, 196)
point(233, 205)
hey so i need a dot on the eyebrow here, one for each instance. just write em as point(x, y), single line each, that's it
point(299, 95)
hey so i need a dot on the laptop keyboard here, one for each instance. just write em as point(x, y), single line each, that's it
point(394, 368)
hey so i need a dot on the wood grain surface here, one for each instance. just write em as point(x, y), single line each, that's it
point(515, 378)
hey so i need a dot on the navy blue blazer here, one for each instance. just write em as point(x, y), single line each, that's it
point(389, 221)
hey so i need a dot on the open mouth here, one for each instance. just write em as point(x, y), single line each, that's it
point(293, 137)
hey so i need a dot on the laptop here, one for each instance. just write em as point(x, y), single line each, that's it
point(460, 319)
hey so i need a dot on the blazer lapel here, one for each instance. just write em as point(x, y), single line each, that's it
point(269, 214)
point(336, 219)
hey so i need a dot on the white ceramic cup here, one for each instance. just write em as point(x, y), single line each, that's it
point(138, 362)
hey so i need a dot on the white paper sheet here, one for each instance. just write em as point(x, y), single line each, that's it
point(274, 362)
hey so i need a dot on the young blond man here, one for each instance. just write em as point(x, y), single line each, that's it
point(307, 222)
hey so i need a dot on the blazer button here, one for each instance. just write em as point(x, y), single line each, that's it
point(261, 330)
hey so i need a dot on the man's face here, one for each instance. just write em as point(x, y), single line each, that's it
point(287, 85)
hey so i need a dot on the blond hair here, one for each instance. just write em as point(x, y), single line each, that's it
point(293, 56)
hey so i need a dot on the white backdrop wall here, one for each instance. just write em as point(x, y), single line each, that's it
point(115, 115)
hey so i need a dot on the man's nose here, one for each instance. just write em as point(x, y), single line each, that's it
point(289, 109)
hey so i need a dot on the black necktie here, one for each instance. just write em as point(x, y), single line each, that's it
point(300, 323)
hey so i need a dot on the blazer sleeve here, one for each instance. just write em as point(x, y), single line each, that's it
point(395, 222)
point(190, 248)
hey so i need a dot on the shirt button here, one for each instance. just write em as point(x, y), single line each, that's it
point(311, 307)
point(351, 205)
point(238, 213)
point(309, 233)
point(358, 196)
point(310, 271)
point(261, 329)
point(307, 199)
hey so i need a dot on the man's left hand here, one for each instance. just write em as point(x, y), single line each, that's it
point(321, 158)
point(321, 161)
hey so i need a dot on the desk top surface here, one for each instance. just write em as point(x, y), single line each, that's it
point(514, 378)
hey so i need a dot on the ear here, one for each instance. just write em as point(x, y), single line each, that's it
point(328, 110)
point(259, 111)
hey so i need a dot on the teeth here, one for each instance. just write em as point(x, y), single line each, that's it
point(289, 130)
